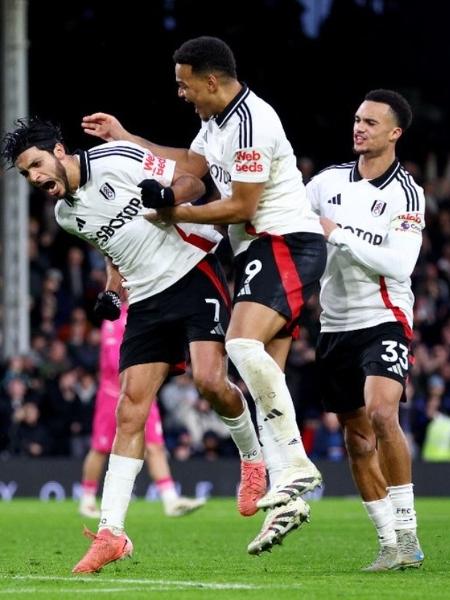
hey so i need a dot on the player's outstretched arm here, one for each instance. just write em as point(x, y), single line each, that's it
point(105, 127)
point(109, 128)
point(238, 208)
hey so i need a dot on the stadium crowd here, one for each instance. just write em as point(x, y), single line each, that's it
point(47, 397)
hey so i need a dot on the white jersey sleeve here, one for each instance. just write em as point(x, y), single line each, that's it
point(253, 164)
point(398, 255)
point(198, 143)
point(150, 166)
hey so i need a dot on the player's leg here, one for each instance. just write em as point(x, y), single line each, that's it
point(209, 370)
point(274, 278)
point(159, 470)
point(139, 385)
point(282, 519)
point(278, 349)
point(207, 304)
point(288, 463)
point(339, 359)
point(360, 442)
point(93, 466)
point(382, 400)
point(103, 432)
point(252, 326)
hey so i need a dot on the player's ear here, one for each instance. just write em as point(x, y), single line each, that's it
point(396, 133)
point(212, 82)
point(59, 151)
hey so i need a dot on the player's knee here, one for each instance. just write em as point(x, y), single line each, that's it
point(130, 416)
point(242, 350)
point(209, 383)
point(383, 420)
point(359, 444)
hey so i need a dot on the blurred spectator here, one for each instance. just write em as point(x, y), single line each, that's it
point(29, 437)
point(202, 419)
point(307, 168)
point(83, 413)
point(328, 440)
point(61, 411)
point(436, 447)
point(75, 275)
point(56, 362)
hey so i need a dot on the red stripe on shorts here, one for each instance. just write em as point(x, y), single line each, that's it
point(209, 272)
point(290, 279)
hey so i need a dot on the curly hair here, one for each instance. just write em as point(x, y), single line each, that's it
point(30, 132)
point(205, 54)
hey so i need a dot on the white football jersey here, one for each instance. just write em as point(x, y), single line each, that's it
point(372, 253)
point(107, 212)
point(247, 142)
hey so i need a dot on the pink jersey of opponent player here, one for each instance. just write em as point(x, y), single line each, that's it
point(104, 425)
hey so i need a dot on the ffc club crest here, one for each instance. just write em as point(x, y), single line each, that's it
point(107, 191)
point(378, 208)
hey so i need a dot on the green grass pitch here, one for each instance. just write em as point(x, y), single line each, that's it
point(204, 556)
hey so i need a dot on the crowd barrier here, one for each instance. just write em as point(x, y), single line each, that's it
point(59, 479)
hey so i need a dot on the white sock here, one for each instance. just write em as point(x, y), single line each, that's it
point(381, 515)
point(88, 498)
point(402, 498)
point(273, 456)
point(244, 435)
point(117, 489)
point(167, 490)
point(267, 385)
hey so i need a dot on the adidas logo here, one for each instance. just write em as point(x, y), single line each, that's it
point(294, 441)
point(218, 329)
point(335, 200)
point(396, 369)
point(273, 414)
point(80, 223)
point(245, 290)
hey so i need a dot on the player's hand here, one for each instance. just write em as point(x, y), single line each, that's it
point(108, 306)
point(154, 195)
point(163, 216)
point(104, 126)
point(328, 226)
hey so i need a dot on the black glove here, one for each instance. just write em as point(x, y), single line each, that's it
point(108, 306)
point(154, 195)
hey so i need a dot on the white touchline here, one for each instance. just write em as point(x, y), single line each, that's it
point(148, 582)
point(89, 590)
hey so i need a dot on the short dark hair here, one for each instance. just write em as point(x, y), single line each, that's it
point(30, 132)
point(398, 104)
point(205, 54)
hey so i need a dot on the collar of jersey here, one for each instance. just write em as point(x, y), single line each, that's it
point(223, 117)
point(381, 181)
point(85, 167)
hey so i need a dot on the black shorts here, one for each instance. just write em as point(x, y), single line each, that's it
point(345, 359)
point(195, 308)
point(281, 272)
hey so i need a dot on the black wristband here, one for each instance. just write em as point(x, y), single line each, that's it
point(154, 195)
point(169, 196)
